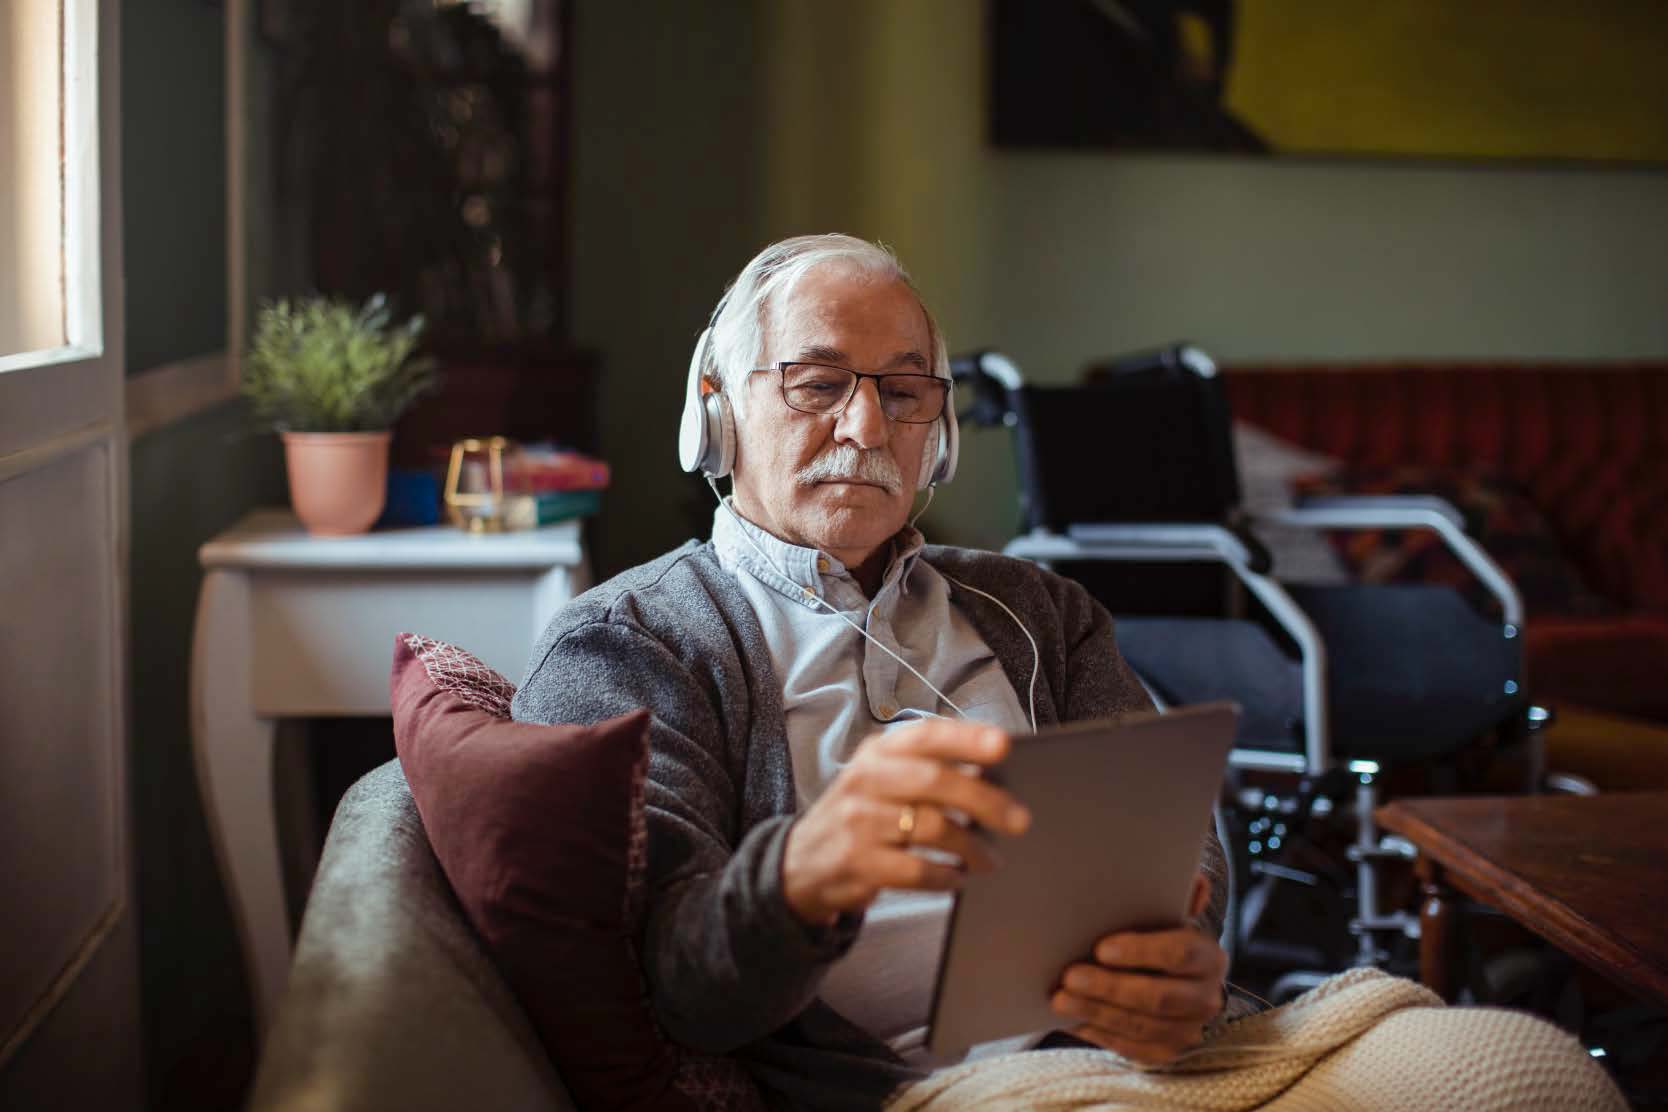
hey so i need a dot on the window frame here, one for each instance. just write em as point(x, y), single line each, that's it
point(79, 243)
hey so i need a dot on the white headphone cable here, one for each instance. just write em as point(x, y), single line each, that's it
point(932, 489)
point(812, 596)
point(1036, 655)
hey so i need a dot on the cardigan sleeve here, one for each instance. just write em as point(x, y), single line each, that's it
point(726, 960)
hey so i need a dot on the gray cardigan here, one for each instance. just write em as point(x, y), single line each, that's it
point(729, 968)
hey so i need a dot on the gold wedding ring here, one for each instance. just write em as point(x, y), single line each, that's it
point(906, 823)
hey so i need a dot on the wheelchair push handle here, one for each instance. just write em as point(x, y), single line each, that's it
point(989, 378)
point(1182, 356)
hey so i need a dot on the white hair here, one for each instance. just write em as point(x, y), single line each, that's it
point(737, 341)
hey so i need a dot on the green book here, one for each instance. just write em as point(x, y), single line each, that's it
point(529, 511)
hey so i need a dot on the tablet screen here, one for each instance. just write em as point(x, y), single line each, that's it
point(1120, 809)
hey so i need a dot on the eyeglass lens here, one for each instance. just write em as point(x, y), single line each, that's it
point(814, 388)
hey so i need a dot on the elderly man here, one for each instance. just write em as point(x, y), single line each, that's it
point(823, 686)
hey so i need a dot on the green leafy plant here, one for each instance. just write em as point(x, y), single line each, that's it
point(322, 365)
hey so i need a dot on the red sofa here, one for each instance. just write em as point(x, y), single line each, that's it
point(1588, 445)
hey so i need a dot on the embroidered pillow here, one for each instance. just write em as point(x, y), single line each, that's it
point(540, 831)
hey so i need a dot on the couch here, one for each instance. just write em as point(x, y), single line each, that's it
point(1587, 444)
point(393, 1004)
point(391, 1001)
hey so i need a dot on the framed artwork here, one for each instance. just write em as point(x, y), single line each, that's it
point(1447, 79)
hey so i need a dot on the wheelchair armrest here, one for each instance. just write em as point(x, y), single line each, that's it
point(1411, 512)
point(1164, 541)
point(1261, 559)
point(1160, 540)
point(1369, 506)
point(1207, 543)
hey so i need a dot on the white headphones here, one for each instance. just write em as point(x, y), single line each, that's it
point(707, 432)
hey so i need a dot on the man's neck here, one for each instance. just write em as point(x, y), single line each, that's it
point(871, 571)
point(868, 567)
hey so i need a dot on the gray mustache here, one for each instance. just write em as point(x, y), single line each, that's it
point(845, 462)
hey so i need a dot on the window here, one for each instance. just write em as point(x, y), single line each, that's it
point(48, 182)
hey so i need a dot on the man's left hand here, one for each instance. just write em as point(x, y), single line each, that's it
point(1148, 994)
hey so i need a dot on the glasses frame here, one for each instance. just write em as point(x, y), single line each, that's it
point(781, 371)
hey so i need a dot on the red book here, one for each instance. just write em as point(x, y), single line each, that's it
point(534, 472)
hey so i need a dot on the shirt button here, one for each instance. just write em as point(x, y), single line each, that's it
point(887, 710)
point(822, 564)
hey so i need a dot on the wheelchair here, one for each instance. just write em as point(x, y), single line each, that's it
point(1132, 471)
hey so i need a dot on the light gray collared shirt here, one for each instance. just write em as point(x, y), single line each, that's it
point(839, 688)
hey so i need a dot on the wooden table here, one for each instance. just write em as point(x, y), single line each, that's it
point(1587, 873)
point(290, 625)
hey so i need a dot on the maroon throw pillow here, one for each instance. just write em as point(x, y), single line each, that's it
point(540, 832)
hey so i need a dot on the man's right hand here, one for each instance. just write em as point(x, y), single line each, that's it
point(852, 841)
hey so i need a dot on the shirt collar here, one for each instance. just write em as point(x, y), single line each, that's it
point(792, 569)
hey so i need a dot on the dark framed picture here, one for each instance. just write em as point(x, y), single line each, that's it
point(1540, 80)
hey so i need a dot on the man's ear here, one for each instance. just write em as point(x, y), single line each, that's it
point(1201, 896)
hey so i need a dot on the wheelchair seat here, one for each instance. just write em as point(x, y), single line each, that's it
point(1413, 671)
point(1201, 660)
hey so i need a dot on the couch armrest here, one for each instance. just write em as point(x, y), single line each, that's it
point(391, 1002)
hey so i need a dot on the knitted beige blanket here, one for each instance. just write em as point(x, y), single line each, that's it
point(1360, 1040)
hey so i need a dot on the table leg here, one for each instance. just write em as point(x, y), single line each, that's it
point(1436, 937)
point(234, 756)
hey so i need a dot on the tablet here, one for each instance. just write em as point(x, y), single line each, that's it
point(1119, 813)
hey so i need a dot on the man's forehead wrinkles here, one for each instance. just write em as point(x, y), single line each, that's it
point(822, 353)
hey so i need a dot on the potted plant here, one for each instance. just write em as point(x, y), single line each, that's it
point(332, 378)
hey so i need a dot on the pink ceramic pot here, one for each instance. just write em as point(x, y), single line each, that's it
point(338, 480)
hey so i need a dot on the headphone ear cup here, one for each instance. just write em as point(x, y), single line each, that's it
point(694, 436)
point(938, 462)
point(720, 456)
point(949, 452)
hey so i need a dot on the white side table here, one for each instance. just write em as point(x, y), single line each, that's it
point(290, 625)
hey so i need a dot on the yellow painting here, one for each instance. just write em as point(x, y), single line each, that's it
point(1492, 79)
point(1455, 78)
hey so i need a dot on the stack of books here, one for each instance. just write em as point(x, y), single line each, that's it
point(544, 485)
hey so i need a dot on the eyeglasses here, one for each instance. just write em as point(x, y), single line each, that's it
point(823, 389)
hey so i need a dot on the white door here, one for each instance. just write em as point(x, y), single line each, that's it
point(69, 1017)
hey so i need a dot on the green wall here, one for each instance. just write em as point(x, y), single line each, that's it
point(188, 481)
point(173, 180)
point(666, 207)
